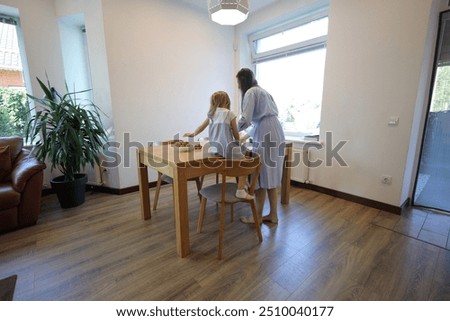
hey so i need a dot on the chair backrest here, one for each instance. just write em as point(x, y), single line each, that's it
point(243, 167)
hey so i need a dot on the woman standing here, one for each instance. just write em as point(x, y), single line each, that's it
point(260, 111)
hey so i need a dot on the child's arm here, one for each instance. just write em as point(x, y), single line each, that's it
point(234, 129)
point(199, 129)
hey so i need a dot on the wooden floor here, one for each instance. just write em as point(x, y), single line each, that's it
point(323, 248)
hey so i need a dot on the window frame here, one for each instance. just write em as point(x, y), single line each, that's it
point(12, 18)
point(292, 49)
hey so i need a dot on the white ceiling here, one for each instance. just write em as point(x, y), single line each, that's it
point(254, 5)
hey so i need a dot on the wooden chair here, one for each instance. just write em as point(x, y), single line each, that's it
point(169, 180)
point(224, 192)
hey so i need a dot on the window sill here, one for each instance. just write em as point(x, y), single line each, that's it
point(303, 140)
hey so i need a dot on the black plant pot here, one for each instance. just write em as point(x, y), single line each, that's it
point(70, 193)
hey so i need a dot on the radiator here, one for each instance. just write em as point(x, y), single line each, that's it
point(300, 165)
point(94, 175)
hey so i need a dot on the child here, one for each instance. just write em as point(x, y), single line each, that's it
point(222, 132)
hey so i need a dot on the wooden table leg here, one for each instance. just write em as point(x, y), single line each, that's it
point(286, 179)
point(144, 193)
point(180, 201)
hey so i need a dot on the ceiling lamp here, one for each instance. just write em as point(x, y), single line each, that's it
point(228, 12)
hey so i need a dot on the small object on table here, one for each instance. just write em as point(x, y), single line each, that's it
point(182, 146)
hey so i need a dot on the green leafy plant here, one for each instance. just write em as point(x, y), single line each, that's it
point(65, 131)
point(13, 112)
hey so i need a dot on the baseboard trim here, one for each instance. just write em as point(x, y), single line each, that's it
point(353, 198)
point(349, 197)
point(405, 205)
point(105, 189)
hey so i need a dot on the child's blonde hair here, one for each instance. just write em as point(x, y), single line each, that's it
point(219, 99)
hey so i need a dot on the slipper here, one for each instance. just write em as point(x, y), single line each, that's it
point(242, 194)
point(247, 220)
point(267, 219)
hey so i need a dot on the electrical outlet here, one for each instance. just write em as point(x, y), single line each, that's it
point(386, 179)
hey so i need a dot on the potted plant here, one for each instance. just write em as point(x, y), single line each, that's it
point(68, 133)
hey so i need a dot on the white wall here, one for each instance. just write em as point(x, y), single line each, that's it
point(165, 59)
point(375, 57)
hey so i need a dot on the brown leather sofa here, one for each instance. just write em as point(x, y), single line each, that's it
point(21, 177)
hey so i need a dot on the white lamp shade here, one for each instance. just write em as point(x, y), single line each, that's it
point(228, 12)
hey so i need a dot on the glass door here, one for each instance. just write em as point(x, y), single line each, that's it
point(432, 187)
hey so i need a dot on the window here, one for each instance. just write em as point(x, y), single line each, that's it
point(76, 54)
point(13, 113)
point(290, 63)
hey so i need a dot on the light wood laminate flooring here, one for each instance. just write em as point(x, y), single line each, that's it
point(323, 248)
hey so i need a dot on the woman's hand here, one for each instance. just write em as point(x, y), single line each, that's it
point(189, 135)
point(243, 136)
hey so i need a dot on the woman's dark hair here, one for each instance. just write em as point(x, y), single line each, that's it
point(246, 80)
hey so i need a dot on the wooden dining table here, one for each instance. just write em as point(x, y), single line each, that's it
point(182, 166)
